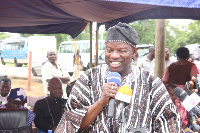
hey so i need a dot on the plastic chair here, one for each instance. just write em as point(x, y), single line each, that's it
point(13, 120)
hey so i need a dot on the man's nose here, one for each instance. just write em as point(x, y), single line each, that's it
point(115, 54)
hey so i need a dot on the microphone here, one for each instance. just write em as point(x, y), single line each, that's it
point(188, 101)
point(198, 83)
point(113, 77)
point(124, 96)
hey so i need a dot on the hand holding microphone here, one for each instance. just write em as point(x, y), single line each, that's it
point(116, 78)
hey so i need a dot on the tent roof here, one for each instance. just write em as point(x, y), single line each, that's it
point(71, 16)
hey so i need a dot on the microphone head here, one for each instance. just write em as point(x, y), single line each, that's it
point(180, 93)
point(124, 94)
point(114, 77)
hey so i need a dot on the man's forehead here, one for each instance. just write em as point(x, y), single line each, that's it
point(120, 44)
point(55, 81)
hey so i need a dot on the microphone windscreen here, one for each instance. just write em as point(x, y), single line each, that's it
point(180, 93)
point(114, 77)
point(124, 94)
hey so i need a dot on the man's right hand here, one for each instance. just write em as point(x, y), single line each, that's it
point(109, 91)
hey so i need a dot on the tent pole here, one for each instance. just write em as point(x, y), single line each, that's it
point(90, 44)
point(160, 47)
point(97, 40)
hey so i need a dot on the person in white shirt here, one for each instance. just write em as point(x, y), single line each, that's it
point(50, 69)
point(168, 60)
point(148, 61)
point(5, 86)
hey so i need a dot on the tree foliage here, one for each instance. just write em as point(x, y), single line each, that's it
point(145, 29)
point(194, 31)
point(4, 35)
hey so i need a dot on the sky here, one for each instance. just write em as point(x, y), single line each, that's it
point(176, 22)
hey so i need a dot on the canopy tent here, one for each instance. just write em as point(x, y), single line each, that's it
point(71, 16)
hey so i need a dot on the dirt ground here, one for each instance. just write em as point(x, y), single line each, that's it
point(36, 88)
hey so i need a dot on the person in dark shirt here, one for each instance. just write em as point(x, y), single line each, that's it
point(50, 109)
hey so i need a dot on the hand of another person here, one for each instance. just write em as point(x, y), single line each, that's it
point(109, 91)
point(194, 90)
point(198, 121)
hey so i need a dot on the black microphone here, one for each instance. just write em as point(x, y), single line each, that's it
point(198, 84)
point(187, 85)
point(182, 95)
point(113, 77)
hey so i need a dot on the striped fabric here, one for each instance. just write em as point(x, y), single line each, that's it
point(150, 107)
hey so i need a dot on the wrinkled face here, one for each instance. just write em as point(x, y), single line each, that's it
point(167, 53)
point(4, 88)
point(13, 103)
point(52, 56)
point(118, 56)
point(56, 90)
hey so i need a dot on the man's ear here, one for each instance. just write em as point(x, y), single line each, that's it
point(134, 52)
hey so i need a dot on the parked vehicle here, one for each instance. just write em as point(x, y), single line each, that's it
point(143, 49)
point(194, 50)
point(16, 50)
point(67, 50)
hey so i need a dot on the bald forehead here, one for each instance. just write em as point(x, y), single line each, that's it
point(55, 81)
point(50, 51)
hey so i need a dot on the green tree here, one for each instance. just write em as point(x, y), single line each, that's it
point(145, 29)
point(85, 34)
point(194, 30)
point(4, 35)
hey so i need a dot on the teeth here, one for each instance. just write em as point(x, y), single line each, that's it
point(115, 63)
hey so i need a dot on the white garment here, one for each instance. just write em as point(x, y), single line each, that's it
point(146, 64)
point(3, 100)
point(49, 71)
point(32, 100)
point(168, 63)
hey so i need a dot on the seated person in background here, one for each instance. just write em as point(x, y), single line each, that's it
point(184, 115)
point(50, 109)
point(15, 98)
point(5, 86)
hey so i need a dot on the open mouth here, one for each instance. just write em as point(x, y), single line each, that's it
point(115, 64)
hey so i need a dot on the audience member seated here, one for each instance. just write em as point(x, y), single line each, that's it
point(5, 86)
point(50, 109)
point(15, 98)
point(184, 115)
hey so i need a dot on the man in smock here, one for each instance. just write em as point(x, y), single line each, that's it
point(150, 105)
